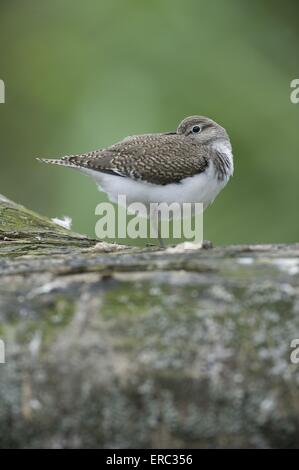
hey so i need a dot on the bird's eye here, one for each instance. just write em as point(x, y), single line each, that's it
point(196, 129)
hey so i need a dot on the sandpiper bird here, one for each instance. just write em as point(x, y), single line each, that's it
point(191, 164)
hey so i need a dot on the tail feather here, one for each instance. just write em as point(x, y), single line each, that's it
point(62, 162)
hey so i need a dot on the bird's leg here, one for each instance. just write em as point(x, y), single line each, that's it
point(156, 221)
point(161, 241)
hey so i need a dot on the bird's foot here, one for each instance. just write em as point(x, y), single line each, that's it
point(105, 247)
point(189, 246)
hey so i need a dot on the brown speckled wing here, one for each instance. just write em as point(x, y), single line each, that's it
point(154, 158)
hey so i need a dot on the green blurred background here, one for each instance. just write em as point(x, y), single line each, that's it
point(81, 75)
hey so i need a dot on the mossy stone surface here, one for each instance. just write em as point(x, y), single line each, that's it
point(143, 347)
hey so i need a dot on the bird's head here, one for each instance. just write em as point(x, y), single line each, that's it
point(202, 129)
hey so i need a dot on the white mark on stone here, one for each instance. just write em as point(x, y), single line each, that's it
point(65, 222)
point(245, 261)
point(287, 265)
